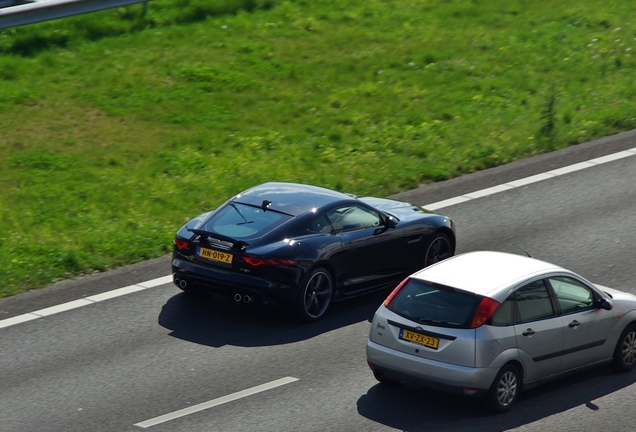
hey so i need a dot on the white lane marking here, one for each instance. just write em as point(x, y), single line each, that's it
point(215, 402)
point(85, 301)
point(529, 180)
point(432, 206)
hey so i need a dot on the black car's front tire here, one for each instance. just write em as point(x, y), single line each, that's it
point(438, 249)
point(315, 295)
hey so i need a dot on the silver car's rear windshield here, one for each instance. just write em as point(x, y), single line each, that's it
point(434, 304)
point(241, 221)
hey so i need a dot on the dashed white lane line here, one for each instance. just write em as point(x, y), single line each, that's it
point(215, 402)
point(85, 301)
point(529, 180)
point(432, 206)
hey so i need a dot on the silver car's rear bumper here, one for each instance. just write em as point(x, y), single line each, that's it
point(395, 365)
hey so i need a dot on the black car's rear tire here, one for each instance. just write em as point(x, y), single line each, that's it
point(625, 351)
point(438, 249)
point(505, 390)
point(315, 295)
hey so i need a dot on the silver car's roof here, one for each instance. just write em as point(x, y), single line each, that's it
point(486, 273)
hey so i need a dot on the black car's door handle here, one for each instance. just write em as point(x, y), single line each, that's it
point(528, 332)
point(574, 324)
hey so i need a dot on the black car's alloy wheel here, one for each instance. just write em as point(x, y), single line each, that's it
point(438, 249)
point(315, 295)
point(625, 352)
point(505, 389)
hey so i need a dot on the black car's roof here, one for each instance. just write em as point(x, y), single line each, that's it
point(291, 198)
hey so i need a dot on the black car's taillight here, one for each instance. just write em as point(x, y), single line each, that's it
point(256, 261)
point(181, 243)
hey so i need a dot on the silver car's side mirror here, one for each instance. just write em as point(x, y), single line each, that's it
point(606, 304)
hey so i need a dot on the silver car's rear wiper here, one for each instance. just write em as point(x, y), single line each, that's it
point(434, 321)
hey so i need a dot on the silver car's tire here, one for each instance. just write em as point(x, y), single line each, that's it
point(383, 379)
point(315, 295)
point(438, 249)
point(625, 351)
point(505, 389)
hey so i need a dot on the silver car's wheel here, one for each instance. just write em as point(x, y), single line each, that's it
point(625, 352)
point(383, 379)
point(315, 295)
point(505, 389)
point(438, 249)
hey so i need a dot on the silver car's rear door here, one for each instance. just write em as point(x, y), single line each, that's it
point(539, 331)
point(540, 346)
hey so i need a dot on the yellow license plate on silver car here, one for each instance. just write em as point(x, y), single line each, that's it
point(214, 255)
point(419, 338)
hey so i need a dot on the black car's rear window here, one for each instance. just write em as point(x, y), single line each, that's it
point(241, 221)
point(434, 304)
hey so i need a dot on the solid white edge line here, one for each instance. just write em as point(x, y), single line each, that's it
point(62, 307)
point(571, 168)
point(18, 320)
point(529, 180)
point(446, 203)
point(488, 191)
point(215, 402)
point(156, 282)
point(8, 322)
point(115, 293)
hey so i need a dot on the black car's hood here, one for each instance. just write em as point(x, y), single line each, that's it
point(400, 209)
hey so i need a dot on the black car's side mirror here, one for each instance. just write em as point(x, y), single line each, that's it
point(390, 222)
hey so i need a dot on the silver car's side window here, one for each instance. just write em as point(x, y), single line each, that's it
point(533, 302)
point(504, 315)
point(571, 294)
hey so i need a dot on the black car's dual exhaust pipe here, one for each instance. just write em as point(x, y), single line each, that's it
point(183, 284)
point(244, 298)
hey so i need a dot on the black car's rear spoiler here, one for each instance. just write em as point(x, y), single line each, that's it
point(238, 244)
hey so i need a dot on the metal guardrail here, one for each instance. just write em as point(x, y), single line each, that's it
point(43, 10)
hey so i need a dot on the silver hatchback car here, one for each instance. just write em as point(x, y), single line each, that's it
point(491, 324)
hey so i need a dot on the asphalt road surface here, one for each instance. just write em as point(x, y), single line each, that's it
point(77, 356)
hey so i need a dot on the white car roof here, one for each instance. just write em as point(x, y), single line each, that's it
point(486, 273)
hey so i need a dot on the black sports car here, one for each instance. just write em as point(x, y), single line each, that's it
point(304, 246)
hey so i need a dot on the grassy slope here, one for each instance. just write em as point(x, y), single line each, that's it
point(116, 128)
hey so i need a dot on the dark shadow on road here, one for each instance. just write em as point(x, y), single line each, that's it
point(217, 321)
point(411, 409)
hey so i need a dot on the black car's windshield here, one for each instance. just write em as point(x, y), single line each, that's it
point(242, 221)
point(432, 304)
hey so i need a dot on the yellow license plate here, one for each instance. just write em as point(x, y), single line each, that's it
point(418, 338)
point(214, 255)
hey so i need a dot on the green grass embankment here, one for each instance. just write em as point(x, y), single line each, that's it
point(115, 128)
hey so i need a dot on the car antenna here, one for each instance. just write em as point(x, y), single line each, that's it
point(521, 249)
point(265, 204)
